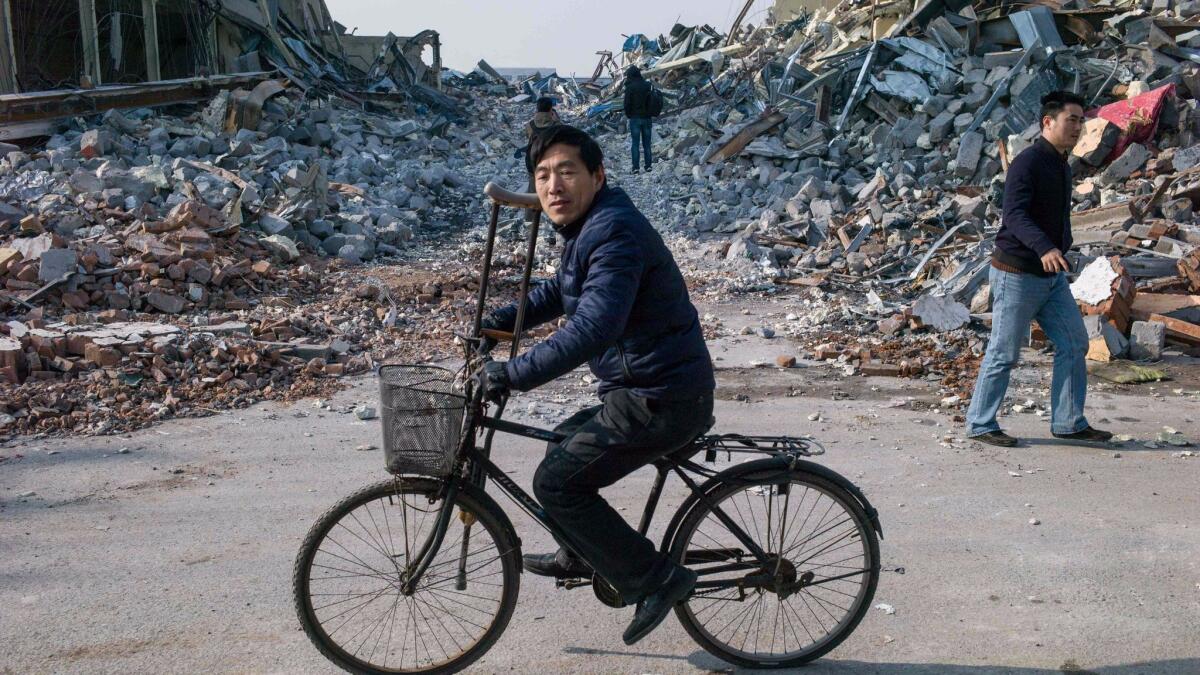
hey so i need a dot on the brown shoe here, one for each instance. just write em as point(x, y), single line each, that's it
point(996, 438)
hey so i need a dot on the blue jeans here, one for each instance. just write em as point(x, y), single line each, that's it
point(639, 129)
point(1018, 299)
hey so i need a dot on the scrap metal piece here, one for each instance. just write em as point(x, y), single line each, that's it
point(908, 86)
point(857, 93)
point(1036, 26)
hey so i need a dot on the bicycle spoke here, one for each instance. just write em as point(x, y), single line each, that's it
point(806, 532)
point(354, 585)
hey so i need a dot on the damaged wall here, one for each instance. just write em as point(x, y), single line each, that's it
point(57, 44)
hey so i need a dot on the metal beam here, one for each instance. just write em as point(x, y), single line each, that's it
point(737, 23)
point(90, 37)
point(48, 105)
point(150, 31)
point(8, 56)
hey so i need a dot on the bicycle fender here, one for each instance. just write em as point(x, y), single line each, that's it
point(844, 483)
point(759, 469)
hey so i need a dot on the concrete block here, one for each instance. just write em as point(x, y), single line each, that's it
point(1146, 340)
point(56, 263)
point(1097, 141)
point(94, 143)
point(1131, 160)
point(970, 148)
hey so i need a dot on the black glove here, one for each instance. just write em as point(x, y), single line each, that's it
point(490, 322)
point(495, 381)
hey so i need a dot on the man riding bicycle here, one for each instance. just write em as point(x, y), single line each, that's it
point(630, 318)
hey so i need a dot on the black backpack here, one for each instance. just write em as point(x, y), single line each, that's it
point(654, 104)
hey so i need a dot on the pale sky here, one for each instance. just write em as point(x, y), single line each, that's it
point(562, 34)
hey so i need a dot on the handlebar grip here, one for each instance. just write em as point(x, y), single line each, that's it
point(497, 335)
point(503, 197)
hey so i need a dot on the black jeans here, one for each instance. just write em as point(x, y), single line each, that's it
point(604, 444)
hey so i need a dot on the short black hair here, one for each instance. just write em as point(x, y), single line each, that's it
point(1055, 101)
point(589, 149)
point(545, 104)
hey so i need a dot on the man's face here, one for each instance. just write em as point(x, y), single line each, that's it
point(1064, 128)
point(564, 185)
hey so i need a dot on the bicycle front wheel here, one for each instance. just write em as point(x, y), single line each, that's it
point(820, 572)
point(348, 575)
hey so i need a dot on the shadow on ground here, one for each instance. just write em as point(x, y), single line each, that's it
point(709, 663)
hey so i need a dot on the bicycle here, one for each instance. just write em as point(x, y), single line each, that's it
point(388, 580)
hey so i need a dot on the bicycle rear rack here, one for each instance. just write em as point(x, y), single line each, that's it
point(766, 445)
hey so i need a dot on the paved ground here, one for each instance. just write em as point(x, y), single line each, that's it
point(176, 556)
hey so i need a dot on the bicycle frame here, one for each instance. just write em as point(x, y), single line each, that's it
point(474, 463)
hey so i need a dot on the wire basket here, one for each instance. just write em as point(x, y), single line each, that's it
point(422, 419)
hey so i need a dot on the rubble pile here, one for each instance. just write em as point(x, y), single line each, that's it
point(860, 150)
point(206, 261)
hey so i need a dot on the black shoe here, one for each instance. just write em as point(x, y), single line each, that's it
point(654, 608)
point(996, 438)
point(635, 172)
point(1087, 435)
point(560, 565)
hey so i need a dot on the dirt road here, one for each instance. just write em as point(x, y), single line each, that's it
point(170, 550)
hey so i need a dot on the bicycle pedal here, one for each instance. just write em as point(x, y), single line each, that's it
point(572, 583)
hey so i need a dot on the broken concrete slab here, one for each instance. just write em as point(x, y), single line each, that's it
point(1147, 339)
point(941, 312)
point(1097, 141)
point(969, 151)
point(1132, 159)
point(1105, 342)
point(56, 263)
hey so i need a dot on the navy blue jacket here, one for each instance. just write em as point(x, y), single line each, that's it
point(1037, 208)
point(628, 312)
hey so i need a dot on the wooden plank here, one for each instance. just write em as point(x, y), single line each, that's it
point(694, 59)
point(1179, 330)
point(768, 120)
point(1145, 304)
point(217, 171)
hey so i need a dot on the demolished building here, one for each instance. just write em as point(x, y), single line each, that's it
point(64, 57)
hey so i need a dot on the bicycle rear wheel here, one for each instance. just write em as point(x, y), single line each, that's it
point(822, 569)
point(348, 574)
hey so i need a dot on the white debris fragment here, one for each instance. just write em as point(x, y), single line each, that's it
point(941, 312)
point(1094, 284)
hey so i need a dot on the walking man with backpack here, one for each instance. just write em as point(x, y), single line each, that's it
point(642, 104)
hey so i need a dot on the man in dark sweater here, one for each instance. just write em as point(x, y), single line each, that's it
point(637, 109)
point(630, 319)
point(1029, 281)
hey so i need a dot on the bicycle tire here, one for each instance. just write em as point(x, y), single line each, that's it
point(486, 513)
point(697, 515)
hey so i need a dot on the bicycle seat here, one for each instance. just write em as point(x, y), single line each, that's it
point(691, 447)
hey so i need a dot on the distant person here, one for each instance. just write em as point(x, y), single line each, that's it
point(1029, 281)
point(544, 118)
point(638, 108)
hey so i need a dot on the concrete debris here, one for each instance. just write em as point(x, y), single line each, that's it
point(940, 312)
point(1094, 284)
point(1105, 342)
point(862, 177)
point(1146, 340)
